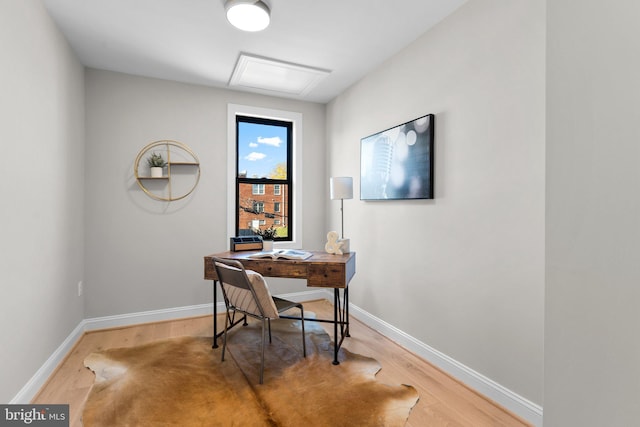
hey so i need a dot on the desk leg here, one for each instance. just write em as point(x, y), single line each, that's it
point(215, 316)
point(340, 321)
point(346, 308)
point(336, 342)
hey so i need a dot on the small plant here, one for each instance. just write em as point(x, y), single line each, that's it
point(156, 161)
point(268, 233)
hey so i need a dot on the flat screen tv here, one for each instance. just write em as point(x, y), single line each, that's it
point(397, 163)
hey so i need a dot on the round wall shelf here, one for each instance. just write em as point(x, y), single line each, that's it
point(179, 177)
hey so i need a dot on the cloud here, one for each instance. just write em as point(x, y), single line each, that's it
point(274, 141)
point(253, 145)
point(253, 156)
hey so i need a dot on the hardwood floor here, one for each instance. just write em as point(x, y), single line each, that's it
point(443, 400)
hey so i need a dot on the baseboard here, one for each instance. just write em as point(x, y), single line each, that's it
point(28, 392)
point(513, 402)
point(308, 296)
point(129, 319)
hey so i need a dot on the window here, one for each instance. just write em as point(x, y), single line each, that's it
point(292, 193)
point(258, 207)
point(263, 174)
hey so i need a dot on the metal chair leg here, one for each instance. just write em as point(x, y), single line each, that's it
point(269, 320)
point(304, 342)
point(224, 338)
point(262, 357)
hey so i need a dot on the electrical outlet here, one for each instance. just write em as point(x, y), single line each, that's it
point(80, 288)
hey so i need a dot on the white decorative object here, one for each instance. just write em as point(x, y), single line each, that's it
point(333, 245)
point(156, 163)
point(267, 245)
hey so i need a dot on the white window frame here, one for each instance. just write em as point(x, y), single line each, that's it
point(234, 110)
point(260, 189)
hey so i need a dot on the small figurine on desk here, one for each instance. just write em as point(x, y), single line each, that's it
point(333, 245)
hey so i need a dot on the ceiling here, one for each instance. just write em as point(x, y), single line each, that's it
point(191, 41)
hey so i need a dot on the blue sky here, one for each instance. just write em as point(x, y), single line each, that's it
point(260, 148)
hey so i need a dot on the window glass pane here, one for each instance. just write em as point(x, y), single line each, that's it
point(258, 188)
point(262, 150)
point(263, 210)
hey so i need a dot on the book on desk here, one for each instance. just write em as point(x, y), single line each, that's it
point(291, 254)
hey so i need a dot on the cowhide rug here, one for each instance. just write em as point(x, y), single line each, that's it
point(182, 382)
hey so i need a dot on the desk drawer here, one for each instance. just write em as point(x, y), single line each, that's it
point(326, 276)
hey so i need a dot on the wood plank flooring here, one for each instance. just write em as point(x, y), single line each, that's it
point(443, 400)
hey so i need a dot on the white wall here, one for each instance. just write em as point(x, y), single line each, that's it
point(593, 211)
point(142, 254)
point(41, 183)
point(463, 273)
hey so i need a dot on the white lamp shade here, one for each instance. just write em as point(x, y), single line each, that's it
point(341, 187)
point(248, 15)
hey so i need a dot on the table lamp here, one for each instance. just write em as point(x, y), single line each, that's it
point(341, 188)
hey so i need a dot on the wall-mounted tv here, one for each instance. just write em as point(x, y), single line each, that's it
point(397, 163)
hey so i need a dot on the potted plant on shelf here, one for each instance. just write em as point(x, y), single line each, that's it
point(156, 164)
point(268, 235)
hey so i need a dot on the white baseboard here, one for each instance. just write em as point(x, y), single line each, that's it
point(307, 296)
point(513, 402)
point(148, 316)
point(36, 382)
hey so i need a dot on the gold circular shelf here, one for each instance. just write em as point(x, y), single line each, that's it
point(178, 149)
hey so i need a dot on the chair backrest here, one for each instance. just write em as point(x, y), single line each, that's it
point(245, 290)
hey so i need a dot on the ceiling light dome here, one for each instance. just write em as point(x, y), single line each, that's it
point(248, 15)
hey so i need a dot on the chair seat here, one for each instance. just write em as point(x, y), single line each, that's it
point(284, 305)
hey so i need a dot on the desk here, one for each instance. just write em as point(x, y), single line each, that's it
point(320, 270)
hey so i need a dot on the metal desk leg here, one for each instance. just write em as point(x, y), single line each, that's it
point(336, 342)
point(346, 308)
point(215, 316)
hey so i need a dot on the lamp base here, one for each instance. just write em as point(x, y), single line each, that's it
point(345, 247)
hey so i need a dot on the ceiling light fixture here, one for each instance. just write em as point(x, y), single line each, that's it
point(248, 15)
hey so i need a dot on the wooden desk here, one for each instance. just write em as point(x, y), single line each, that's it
point(321, 270)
